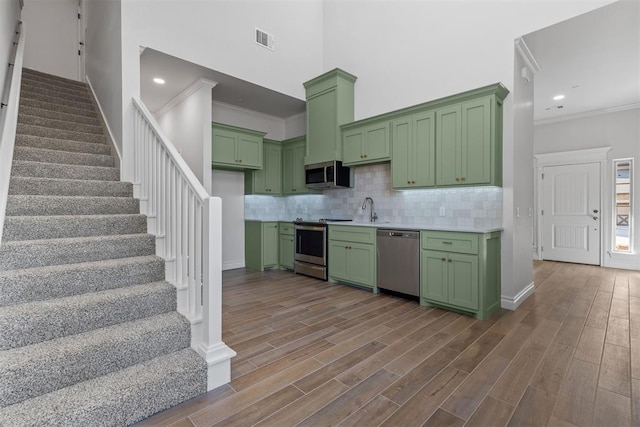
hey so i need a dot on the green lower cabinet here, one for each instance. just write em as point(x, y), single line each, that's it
point(465, 276)
point(261, 245)
point(287, 245)
point(352, 255)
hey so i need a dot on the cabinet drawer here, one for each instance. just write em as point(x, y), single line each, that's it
point(287, 228)
point(466, 243)
point(352, 234)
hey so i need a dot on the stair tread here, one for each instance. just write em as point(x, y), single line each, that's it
point(60, 157)
point(81, 313)
point(67, 145)
point(26, 168)
point(52, 106)
point(42, 75)
point(44, 367)
point(38, 271)
point(119, 398)
point(46, 132)
point(58, 115)
point(20, 254)
point(71, 224)
point(58, 124)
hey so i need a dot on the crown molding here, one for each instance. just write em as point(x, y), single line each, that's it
point(571, 157)
point(586, 114)
point(193, 88)
point(529, 59)
point(246, 111)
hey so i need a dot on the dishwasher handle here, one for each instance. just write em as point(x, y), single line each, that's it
point(410, 234)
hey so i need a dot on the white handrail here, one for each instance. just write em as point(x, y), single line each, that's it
point(188, 228)
point(10, 124)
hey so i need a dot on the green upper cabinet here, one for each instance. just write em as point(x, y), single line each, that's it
point(365, 143)
point(469, 143)
point(413, 160)
point(235, 148)
point(329, 105)
point(267, 180)
point(293, 179)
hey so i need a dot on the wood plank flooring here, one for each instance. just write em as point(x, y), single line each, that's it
point(312, 353)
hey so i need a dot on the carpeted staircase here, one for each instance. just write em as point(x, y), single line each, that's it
point(89, 333)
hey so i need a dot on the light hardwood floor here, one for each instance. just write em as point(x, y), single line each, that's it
point(312, 353)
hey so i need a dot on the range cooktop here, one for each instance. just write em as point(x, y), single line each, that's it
point(320, 220)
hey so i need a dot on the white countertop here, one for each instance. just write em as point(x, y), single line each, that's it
point(397, 226)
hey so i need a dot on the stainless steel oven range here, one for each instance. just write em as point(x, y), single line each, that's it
point(311, 257)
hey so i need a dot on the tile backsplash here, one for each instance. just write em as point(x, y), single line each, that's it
point(479, 207)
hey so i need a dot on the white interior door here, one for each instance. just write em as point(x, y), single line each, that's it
point(571, 213)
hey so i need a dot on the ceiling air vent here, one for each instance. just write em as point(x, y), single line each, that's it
point(264, 39)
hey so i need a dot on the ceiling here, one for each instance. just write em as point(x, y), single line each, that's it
point(593, 59)
point(179, 74)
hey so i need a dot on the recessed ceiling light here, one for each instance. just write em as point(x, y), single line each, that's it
point(158, 80)
point(558, 97)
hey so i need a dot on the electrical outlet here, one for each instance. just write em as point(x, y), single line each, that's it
point(442, 211)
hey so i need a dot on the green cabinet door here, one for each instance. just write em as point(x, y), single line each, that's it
point(475, 151)
point(267, 180)
point(288, 186)
point(365, 144)
point(413, 159)
point(235, 148)
point(463, 280)
point(293, 175)
point(448, 125)
point(322, 124)
point(338, 264)
point(361, 263)
point(465, 152)
point(270, 237)
point(461, 271)
point(260, 245)
point(329, 105)
point(223, 147)
point(434, 283)
point(250, 151)
point(287, 251)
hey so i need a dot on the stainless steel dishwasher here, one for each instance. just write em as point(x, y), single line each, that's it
point(399, 261)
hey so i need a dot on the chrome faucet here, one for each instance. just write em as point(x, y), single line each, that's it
point(372, 215)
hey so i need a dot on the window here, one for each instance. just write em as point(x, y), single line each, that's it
point(623, 173)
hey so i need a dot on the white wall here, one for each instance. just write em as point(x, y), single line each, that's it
point(248, 119)
point(220, 35)
point(187, 124)
point(103, 60)
point(9, 17)
point(405, 52)
point(52, 42)
point(618, 130)
point(518, 166)
point(229, 186)
point(295, 126)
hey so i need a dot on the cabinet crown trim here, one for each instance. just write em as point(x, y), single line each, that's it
point(336, 72)
point(497, 89)
point(237, 129)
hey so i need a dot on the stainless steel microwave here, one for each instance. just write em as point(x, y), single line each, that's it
point(327, 175)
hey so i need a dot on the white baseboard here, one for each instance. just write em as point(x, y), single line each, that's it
point(513, 303)
point(103, 118)
point(231, 265)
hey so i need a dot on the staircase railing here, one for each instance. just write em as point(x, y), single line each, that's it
point(188, 228)
point(9, 120)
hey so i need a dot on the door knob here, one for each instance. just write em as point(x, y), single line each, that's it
point(595, 211)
